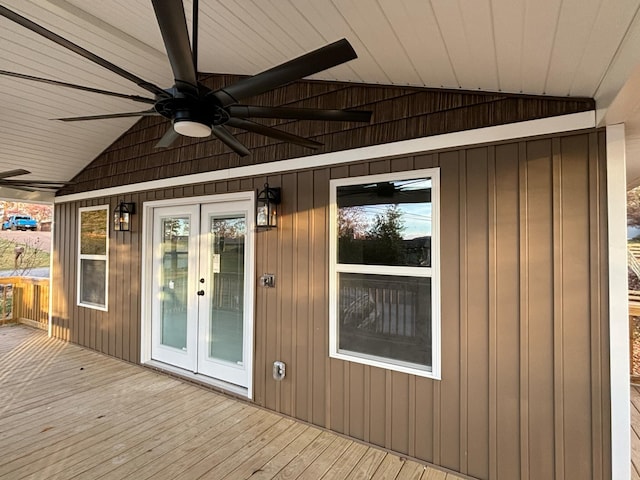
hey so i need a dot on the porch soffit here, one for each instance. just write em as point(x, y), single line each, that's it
point(574, 49)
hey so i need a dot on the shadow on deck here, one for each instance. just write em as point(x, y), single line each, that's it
point(68, 412)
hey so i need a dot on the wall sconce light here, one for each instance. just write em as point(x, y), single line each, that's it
point(266, 209)
point(122, 216)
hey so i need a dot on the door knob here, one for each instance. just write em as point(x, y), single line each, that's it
point(201, 292)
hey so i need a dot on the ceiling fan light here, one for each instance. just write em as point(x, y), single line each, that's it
point(189, 128)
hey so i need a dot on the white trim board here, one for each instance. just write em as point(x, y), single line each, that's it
point(618, 304)
point(531, 128)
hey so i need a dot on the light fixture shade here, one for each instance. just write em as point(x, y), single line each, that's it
point(189, 128)
point(267, 207)
point(122, 216)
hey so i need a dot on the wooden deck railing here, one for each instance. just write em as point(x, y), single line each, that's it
point(633, 259)
point(634, 335)
point(24, 299)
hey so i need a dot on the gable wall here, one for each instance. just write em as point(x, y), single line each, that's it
point(524, 389)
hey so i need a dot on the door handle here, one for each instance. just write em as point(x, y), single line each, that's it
point(200, 293)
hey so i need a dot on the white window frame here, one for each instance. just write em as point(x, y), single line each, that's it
point(433, 272)
point(93, 257)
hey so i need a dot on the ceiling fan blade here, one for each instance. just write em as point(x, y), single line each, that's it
point(168, 138)
point(272, 132)
point(313, 62)
point(145, 113)
point(194, 33)
point(250, 111)
point(14, 173)
point(63, 42)
point(15, 187)
point(173, 27)
point(135, 98)
point(33, 182)
point(231, 141)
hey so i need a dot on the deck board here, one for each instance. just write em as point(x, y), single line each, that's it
point(69, 412)
point(635, 432)
point(410, 471)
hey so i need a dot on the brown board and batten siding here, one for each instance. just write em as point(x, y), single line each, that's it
point(524, 389)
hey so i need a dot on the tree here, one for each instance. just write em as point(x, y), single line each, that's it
point(352, 229)
point(229, 227)
point(24, 258)
point(38, 211)
point(352, 222)
point(633, 207)
point(385, 237)
point(93, 232)
point(388, 225)
point(373, 241)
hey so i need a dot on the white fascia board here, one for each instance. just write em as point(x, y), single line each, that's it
point(531, 128)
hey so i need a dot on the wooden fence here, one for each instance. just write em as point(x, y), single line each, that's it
point(633, 257)
point(24, 299)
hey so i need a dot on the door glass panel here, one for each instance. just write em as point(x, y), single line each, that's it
point(226, 290)
point(174, 281)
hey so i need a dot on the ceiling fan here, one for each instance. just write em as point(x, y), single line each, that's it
point(27, 185)
point(194, 109)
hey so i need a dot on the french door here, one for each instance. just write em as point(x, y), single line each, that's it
point(202, 307)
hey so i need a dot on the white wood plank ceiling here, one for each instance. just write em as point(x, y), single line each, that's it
point(582, 48)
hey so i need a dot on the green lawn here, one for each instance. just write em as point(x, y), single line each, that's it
point(33, 257)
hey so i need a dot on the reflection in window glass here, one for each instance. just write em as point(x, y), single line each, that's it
point(174, 278)
point(94, 280)
point(93, 232)
point(227, 237)
point(385, 223)
point(386, 316)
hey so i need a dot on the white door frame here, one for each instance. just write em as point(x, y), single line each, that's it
point(146, 285)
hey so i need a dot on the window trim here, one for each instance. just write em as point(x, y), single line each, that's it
point(433, 272)
point(104, 257)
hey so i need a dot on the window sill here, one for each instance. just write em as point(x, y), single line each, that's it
point(408, 368)
point(93, 307)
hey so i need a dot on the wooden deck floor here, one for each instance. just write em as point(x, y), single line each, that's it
point(67, 412)
point(635, 432)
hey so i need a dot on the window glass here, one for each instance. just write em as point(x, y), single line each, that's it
point(94, 276)
point(386, 316)
point(385, 223)
point(93, 257)
point(93, 232)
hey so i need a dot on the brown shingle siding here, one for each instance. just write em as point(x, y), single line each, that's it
point(398, 114)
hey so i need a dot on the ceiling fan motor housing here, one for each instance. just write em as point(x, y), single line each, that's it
point(189, 115)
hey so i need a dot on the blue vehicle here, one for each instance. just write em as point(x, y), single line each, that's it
point(20, 222)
